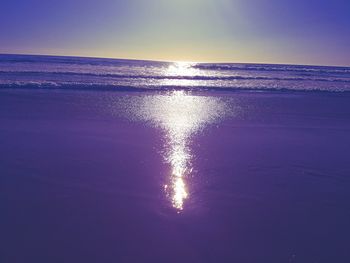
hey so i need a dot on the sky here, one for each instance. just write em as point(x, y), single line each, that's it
point(252, 31)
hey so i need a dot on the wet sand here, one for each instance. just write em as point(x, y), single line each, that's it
point(91, 176)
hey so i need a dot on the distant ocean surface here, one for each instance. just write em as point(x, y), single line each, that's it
point(29, 71)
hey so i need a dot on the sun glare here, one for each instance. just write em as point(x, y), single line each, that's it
point(180, 115)
point(181, 69)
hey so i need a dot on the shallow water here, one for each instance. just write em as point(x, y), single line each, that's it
point(174, 176)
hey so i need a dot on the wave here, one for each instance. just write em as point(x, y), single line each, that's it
point(270, 67)
point(164, 77)
point(52, 72)
point(44, 59)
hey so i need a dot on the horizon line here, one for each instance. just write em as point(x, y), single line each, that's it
point(171, 61)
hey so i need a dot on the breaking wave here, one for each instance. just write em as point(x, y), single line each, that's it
point(27, 71)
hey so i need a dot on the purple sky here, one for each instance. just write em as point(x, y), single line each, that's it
point(269, 31)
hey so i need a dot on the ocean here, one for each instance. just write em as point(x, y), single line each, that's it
point(105, 160)
point(98, 73)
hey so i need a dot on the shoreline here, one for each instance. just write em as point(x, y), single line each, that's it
point(164, 89)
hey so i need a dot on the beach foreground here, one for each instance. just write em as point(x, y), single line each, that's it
point(174, 176)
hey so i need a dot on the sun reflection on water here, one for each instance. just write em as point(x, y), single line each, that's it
point(180, 115)
point(180, 74)
point(178, 156)
point(182, 69)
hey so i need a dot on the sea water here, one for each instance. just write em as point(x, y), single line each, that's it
point(99, 73)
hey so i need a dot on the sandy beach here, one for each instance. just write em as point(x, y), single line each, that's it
point(90, 176)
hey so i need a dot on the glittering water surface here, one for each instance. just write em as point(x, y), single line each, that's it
point(180, 115)
point(28, 71)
